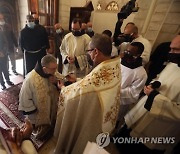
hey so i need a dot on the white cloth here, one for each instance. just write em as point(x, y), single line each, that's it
point(38, 93)
point(75, 47)
point(88, 108)
point(147, 48)
point(133, 81)
point(163, 120)
point(114, 52)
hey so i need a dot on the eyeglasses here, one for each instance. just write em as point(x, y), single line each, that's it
point(90, 50)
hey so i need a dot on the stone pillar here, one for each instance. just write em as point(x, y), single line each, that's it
point(23, 11)
point(64, 13)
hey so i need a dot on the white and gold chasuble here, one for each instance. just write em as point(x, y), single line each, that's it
point(38, 93)
point(88, 108)
point(163, 120)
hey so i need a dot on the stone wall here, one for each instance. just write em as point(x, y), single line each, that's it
point(100, 19)
point(164, 21)
point(158, 23)
point(171, 25)
point(23, 11)
point(64, 13)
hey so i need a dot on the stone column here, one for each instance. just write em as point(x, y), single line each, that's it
point(64, 13)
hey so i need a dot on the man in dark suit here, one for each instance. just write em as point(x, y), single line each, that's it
point(4, 46)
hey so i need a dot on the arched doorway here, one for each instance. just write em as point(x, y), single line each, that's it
point(8, 9)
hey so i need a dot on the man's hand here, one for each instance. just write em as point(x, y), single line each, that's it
point(26, 129)
point(60, 84)
point(71, 77)
point(148, 89)
point(19, 134)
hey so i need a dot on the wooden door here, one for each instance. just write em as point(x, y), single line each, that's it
point(47, 11)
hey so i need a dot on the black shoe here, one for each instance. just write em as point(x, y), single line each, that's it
point(15, 73)
point(3, 87)
point(10, 83)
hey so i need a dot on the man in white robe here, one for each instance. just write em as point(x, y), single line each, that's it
point(157, 114)
point(134, 77)
point(39, 96)
point(132, 30)
point(73, 51)
point(89, 106)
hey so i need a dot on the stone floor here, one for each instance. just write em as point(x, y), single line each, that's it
point(48, 148)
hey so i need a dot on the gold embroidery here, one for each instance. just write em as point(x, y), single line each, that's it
point(104, 76)
point(113, 113)
point(42, 98)
point(61, 100)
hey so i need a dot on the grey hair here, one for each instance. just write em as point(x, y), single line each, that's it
point(103, 43)
point(46, 60)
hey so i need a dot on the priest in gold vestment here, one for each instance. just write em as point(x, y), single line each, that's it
point(38, 97)
point(89, 106)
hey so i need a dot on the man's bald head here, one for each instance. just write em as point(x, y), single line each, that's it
point(175, 45)
point(57, 26)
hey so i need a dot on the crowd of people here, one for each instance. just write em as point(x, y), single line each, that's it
point(96, 83)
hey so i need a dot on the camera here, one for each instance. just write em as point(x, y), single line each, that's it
point(127, 9)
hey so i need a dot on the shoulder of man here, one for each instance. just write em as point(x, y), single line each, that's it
point(143, 40)
point(87, 37)
point(40, 27)
point(25, 28)
point(68, 35)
